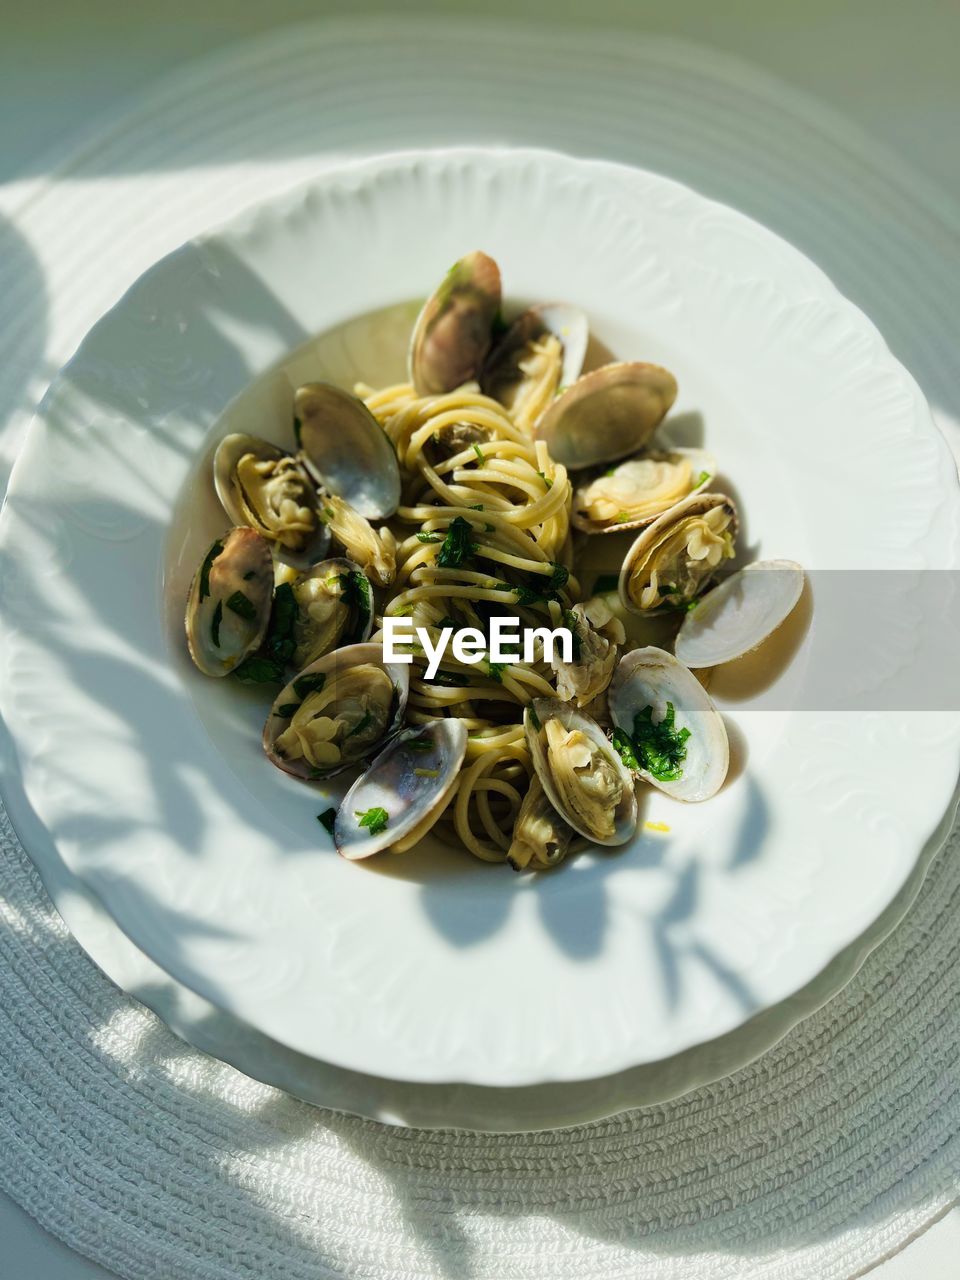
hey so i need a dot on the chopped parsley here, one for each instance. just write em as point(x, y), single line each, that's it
point(546, 480)
point(215, 624)
point(429, 537)
point(495, 671)
point(426, 773)
point(205, 569)
point(242, 606)
point(420, 744)
point(570, 621)
point(538, 589)
point(375, 820)
point(606, 582)
point(357, 594)
point(312, 683)
point(452, 679)
point(534, 718)
point(704, 475)
point(327, 819)
point(479, 452)
point(458, 545)
point(658, 749)
point(287, 710)
point(259, 670)
point(361, 724)
point(621, 517)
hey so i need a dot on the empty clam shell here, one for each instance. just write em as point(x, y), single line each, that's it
point(453, 332)
point(740, 613)
point(664, 717)
point(637, 490)
point(336, 712)
point(542, 351)
point(396, 801)
point(676, 557)
point(346, 450)
point(583, 776)
point(607, 414)
point(266, 488)
point(228, 606)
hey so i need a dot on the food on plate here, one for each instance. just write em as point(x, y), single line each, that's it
point(459, 498)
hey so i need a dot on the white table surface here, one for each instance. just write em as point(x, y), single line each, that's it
point(889, 67)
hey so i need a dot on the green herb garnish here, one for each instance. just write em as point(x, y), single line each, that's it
point(659, 749)
point(622, 743)
point(258, 670)
point(429, 537)
point(361, 724)
point(426, 773)
point(479, 452)
point(287, 710)
point(242, 606)
point(606, 582)
point(458, 545)
point(570, 621)
point(621, 517)
point(453, 680)
point(327, 819)
point(215, 624)
point(704, 475)
point(375, 820)
point(205, 569)
point(420, 744)
point(534, 718)
point(356, 593)
point(546, 480)
point(312, 683)
point(495, 671)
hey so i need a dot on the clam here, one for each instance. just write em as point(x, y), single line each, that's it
point(228, 606)
point(396, 801)
point(666, 726)
point(266, 488)
point(596, 636)
point(542, 351)
point(581, 773)
point(332, 605)
point(740, 613)
point(454, 330)
point(638, 490)
point(674, 558)
point(607, 414)
point(336, 712)
point(346, 450)
point(374, 550)
point(540, 837)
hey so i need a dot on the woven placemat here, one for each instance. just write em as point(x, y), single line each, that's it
point(821, 1158)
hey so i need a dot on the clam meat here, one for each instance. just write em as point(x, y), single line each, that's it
point(675, 558)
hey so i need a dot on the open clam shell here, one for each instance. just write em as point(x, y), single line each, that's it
point(635, 492)
point(346, 450)
point(337, 712)
point(281, 506)
point(739, 614)
point(228, 606)
point(333, 606)
point(687, 759)
point(604, 780)
point(676, 557)
point(409, 783)
point(453, 331)
point(607, 414)
point(542, 351)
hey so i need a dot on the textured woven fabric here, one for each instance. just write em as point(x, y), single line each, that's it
point(818, 1160)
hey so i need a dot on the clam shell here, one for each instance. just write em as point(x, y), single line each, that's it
point(453, 331)
point(358, 627)
point(625, 817)
point(607, 414)
point(652, 677)
point(700, 462)
point(413, 802)
point(243, 564)
point(351, 655)
point(565, 321)
point(228, 453)
point(653, 533)
point(740, 613)
point(346, 450)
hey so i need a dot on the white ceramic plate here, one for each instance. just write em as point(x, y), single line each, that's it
point(151, 780)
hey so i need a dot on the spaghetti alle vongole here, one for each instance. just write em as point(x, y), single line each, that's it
point(450, 498)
